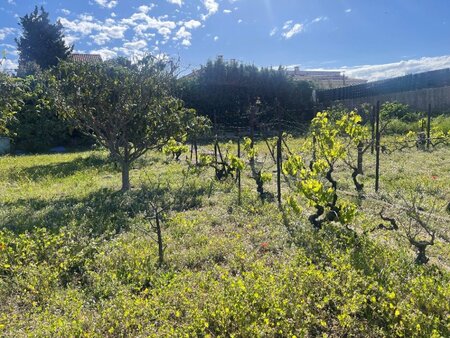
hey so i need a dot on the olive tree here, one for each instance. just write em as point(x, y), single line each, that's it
point(128, 107)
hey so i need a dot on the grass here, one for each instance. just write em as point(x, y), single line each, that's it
point(78, 258)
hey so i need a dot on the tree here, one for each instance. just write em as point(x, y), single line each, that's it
point(224, 91)
point(129, 108)
point(36, 125)
point(10, 101)
point(41, 43)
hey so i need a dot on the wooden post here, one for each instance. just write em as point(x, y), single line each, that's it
point(196, 151)
point(215, 154)
point(279, 156)
point(372, 125)
point(360, 158)
point(252, 126)
point(160, 240)
point(377, 147)
point(239, 170)
point(429, 127)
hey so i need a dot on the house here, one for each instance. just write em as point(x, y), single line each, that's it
point(323, 79)
point(89, 58)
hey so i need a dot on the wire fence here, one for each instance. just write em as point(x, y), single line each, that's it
point(432, 79)
point(272, 134)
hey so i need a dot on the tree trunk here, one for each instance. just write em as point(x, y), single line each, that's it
point(160, 242)
point(125, 176)
point(360, 158)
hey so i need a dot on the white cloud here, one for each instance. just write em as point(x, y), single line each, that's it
point(105, 53)
point(211, 6)
point(395, 69)
point(86, 17)
point(70, 39)
point(9, 65)
point(139, 44)
point(182, 34)
point(287, 25)
point(240, 21)
point(191, 24)
point(100, 32)
point(143, 22)
point(106, 3)
point(273, 31)
point(145, 9)
point(4, 32)
point(176, 2)
point(290, 31)
point(227, 11)
point(216, 38)
point(348, 10)
point(65, 11)
point(319, 19)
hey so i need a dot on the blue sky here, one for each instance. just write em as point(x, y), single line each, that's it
point(371, 39)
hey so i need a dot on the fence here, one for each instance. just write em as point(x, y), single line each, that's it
point(408, 83)
point(279, 150)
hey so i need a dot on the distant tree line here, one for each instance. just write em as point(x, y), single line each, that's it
point(225, 91)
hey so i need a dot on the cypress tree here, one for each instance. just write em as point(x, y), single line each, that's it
point(41, 42)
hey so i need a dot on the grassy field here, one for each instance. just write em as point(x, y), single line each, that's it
point(78, 258)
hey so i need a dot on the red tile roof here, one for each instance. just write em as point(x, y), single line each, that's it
point(90, 58)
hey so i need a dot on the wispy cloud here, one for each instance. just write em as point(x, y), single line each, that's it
point(176, 2)
point(4, 32)
point(319, 19)
point(106, 3)
point(290, 29)
point(348, 10)
point(395, 69)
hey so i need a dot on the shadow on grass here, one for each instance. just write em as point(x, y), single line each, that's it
point(64, 169)
point(103, 211)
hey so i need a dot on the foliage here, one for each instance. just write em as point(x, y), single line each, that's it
point(41, 42)
point(259, 173)
point(224, 91)
point(129, 108)
point(224, 163)
point(75, 261)
point(442, 123)
point(396, 110)
point(37, 126)
point(10, 101)
point(175, 148)
point(332, 139)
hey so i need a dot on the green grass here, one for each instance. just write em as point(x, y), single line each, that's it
point(78, 258)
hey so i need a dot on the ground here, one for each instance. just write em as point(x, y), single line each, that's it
point(78, 257)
